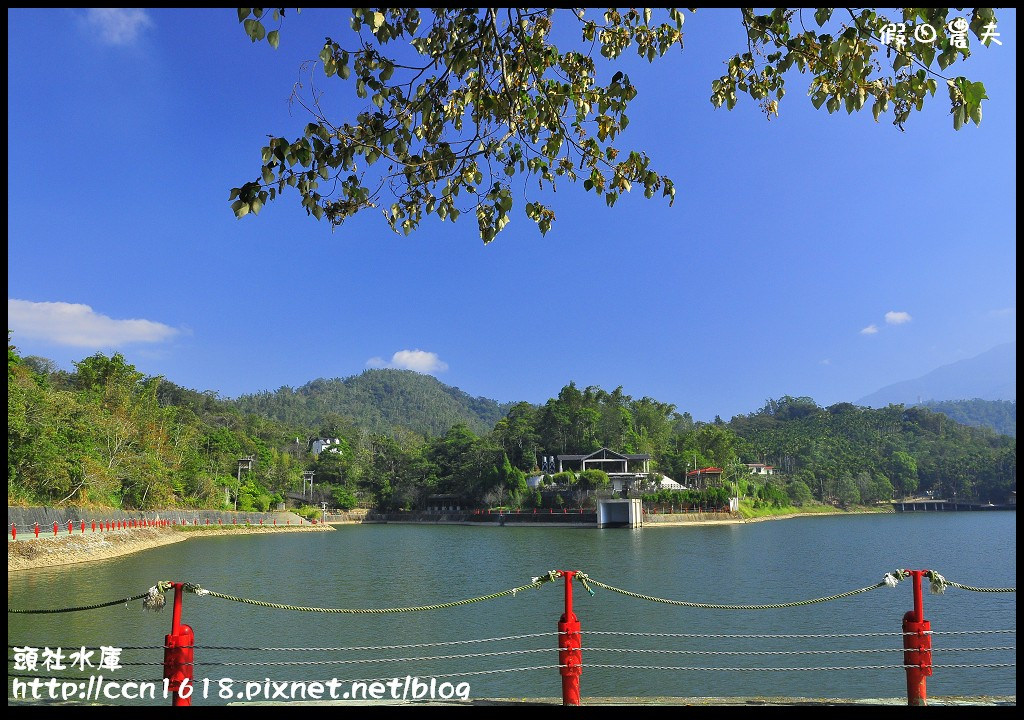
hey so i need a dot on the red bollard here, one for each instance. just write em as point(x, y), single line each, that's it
point(37, 530)
point(261, 521)
point(570, 656)
point(83, 527)
point(55, 529)
point(234, 521)
point(94, 526)
point(70, 526)
point(178, 654)
point(14, 532)
point(917, 646)
point(207, 521)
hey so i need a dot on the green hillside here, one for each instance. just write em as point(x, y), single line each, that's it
point(1000, 415)
point(378, 401)
point(107, 435)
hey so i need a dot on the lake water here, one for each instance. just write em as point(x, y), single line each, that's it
point(360, 566)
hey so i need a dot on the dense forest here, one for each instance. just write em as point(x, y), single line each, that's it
point(378, 401)
point(105, 434)
point(1000, 415)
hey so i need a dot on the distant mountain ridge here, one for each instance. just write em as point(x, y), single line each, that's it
point(1000, 415)
point(379, 400)
point(989, 376)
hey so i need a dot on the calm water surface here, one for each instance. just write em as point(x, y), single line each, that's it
point(402, 565)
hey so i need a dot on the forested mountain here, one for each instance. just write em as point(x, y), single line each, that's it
point(989, 376)
point(1000, 415)
point(107, 435)
point(912, 449)
point(378, 401)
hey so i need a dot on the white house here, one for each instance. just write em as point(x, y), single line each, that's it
point(322, 444)
point(761, 468)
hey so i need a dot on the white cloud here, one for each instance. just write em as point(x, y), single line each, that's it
point(419, 360)
point(897, 318)
point(79, 325)
point(826, 361)
point(1003, 312)
point(869, 330)
point(118, 26)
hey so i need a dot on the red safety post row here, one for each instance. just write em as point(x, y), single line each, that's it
point(178, 653)
point(917, 646)
point(570, 656)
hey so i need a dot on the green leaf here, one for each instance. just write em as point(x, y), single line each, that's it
point(243, 13)
point(928, 54)
point(976, 114)
point(273, 37)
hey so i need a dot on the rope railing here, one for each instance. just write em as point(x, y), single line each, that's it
point(180, 663)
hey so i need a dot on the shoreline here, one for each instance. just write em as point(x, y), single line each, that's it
point(45, 552)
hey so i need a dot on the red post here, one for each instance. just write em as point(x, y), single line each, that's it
point(14, 531)
point(94, 526)
point(55, 529)
point(83, 527)
point(37, 530)
point(178, 653)
point(570, 656)
point(917, 646)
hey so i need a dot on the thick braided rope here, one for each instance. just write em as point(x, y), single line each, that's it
point(977, 589)
point(126, 600)
point(372, 611)
point(588, 580)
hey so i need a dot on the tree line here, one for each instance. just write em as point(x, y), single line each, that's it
point(105, 434)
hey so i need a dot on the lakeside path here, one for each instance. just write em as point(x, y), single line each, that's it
point(91, 547)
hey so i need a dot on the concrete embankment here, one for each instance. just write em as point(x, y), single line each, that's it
point(68, 549)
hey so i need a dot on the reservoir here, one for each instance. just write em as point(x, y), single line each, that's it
point(688, 652)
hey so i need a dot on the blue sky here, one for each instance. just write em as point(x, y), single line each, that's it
point(810, 255)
